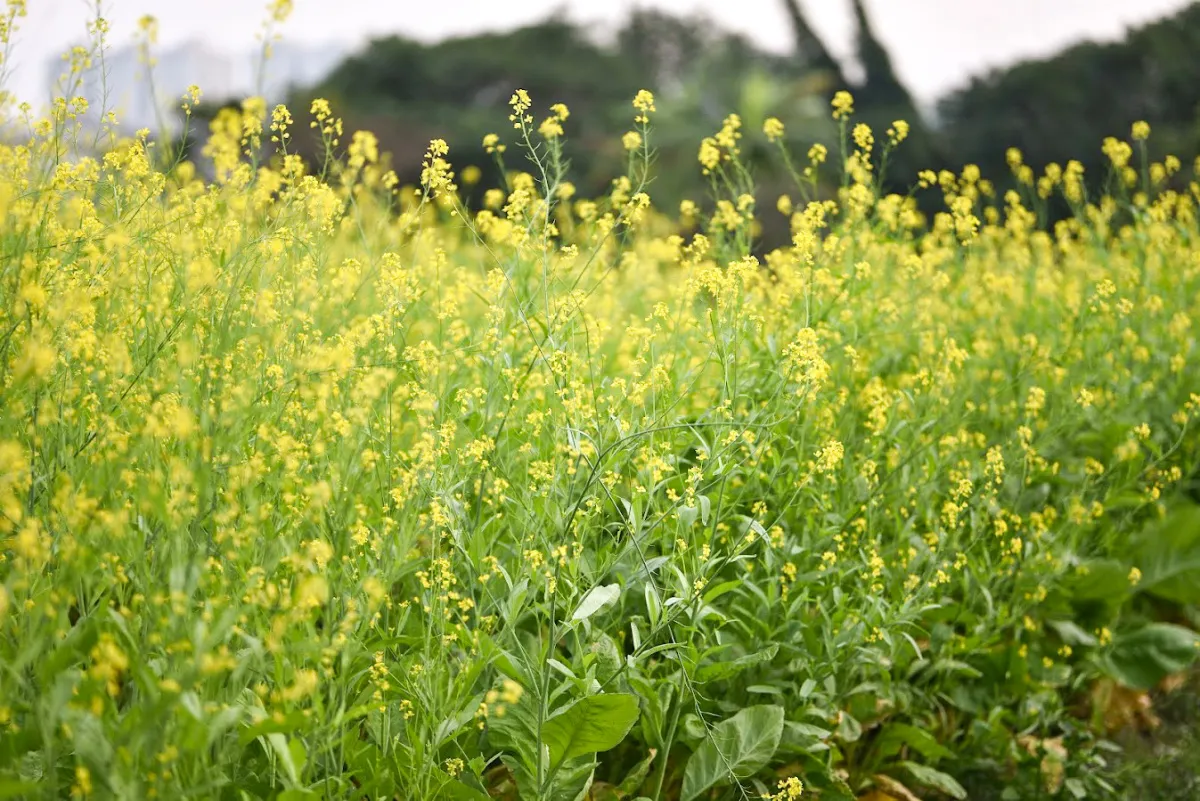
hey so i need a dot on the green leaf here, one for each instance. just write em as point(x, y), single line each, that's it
point(849, 730)
point(1099, 580)
point(719, 671)
point(1146, 656)
point(283, 751)
point(637, 777)
point(592, 724)
point(608, 657)
point(942, 782)
point(596, 599)
point(12, 788)
point(804, 732)
point(295, 794)
point(1168, 554)
point(515, 732)
point(897, 735)
point(721, 589)
point(1070, 633)
point(450, 789)
point(269, 725)
point(299, 755)
point(736, 748)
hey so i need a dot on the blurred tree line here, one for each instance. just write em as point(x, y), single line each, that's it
point(1054, 109)
point(1062, 107)
point(406, 91)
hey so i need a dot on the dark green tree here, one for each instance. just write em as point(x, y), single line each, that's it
point(881, 87)
point(811, 50)
point(1062, 107)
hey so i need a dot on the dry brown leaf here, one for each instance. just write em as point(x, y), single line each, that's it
point(1053, 774)
point(894, 788)
point(1122, 707)
point(1171, 683)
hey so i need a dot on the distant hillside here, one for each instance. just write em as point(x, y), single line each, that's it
point(1062, 107)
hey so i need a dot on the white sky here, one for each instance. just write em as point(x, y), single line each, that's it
point(935, 44)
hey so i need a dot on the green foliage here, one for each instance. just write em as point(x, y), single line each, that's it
point(1145, 656)
point(736, 748)
point(1168, 554)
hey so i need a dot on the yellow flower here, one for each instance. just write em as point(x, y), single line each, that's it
point(863, 137)
point(773, 128)
point(830, 456)
point(1140, 131)
point(148, 25)
point(789, 789)
point(520, 103)
point(843, 105)
point(551, 127)
point(1135, 576)
point(644, 103)
point(710, 154)
point(491, 144)
point(632, 140)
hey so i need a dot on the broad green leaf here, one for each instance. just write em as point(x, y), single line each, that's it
point(1141, 659)
point(942, 782)
point(592, 724)
point(735, 749)
point(596, 599)
point(1168, 554)
point(515, 732)
point(1099, 580)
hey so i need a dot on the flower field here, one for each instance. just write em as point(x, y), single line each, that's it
point(316, 486)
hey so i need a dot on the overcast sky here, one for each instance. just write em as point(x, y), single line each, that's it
point(935, 44)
